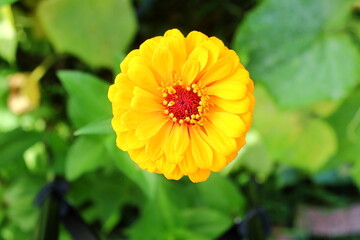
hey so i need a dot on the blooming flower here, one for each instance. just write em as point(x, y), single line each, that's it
point(182, 105)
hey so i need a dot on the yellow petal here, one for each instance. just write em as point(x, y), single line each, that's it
point(143, 77)
point(217, 140)
point(155, 147)
point(147, 48)
point(176, 174)
point(219, 162)
point(194, 39)
point(173, 33)
point(201, 151)
point(124, 65)
point(233, 106)
point(131, 118)
point(165, 166)
point(231, 90)
point(133, 142)
point(213, 53)
point(190, 71)
point(111, 92)
point(230, 124)
point(247, 119)
point(199, 176)
point(144, 101)
point(201, 55)
point(162, 62)
point(240, 75)
point(117, 125)
point(177, 143)
point(176, 46)
point(151, 126)
point(120, 140)
point(221, 69)
point(188, 165)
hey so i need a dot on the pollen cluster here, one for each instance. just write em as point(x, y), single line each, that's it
point(185, 105)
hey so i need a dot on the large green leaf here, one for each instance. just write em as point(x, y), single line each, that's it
point(314, 147)
point(300, 49)
point(145, 180)
point(87, 97)
point(8, 39)
point(96, 127)
point(86, 154)
point(293, 138)
point(207, 223)
point(221, 194)
point(106, 28)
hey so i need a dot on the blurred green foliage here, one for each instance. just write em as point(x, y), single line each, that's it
point(304, 146)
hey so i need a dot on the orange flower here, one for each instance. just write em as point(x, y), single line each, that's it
point(182, 105)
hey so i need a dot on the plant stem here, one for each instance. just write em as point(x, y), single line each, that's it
point(255, 228)
point(40, 70)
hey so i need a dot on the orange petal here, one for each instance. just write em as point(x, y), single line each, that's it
point(199, 176)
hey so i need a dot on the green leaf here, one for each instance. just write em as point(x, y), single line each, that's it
point(293, 138)
point(107, 28)
point(86, 154)
point(19, 197)
point(7, 2)
point(145, 180)
point(97, 127)
point(300, 49)
point(355, 173)
point(207, 222)
point(8, 39)
point(346, 123)
point(13, 145)
point(255, 157)
point(219, 193)
point(87, 97)
point(314, 147)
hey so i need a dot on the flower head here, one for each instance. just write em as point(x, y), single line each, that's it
point(182, 105)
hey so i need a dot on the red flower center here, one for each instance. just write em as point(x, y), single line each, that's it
point(183, 103)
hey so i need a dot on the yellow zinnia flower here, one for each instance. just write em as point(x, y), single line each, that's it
point(182, 105)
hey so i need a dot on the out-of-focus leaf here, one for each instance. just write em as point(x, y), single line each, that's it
point(8, 40)
point(254, 156)
point(86, 154)
point(145, 180)
point(278, 129)
point(96, 127)
point(355, 173)
point(107, 28)
point(18, 197)
point(220, 194)
point(7, 2)
point(313, 148)
point(207, 222)
point(293, 138)
point(300, 49)
point(163, 216)
point(87, 97)
point(13, 145)
point(346, 123)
